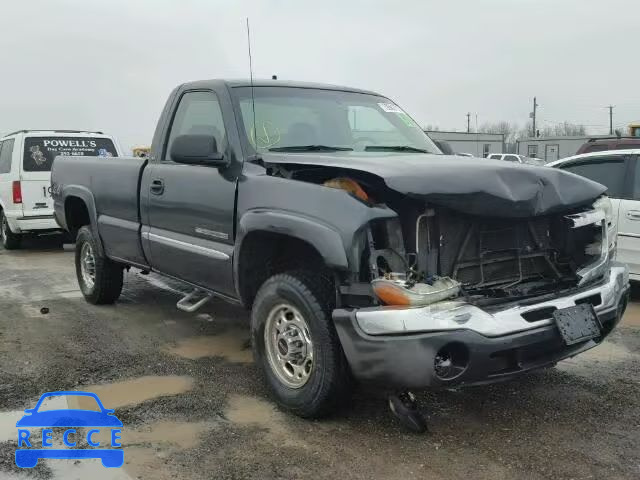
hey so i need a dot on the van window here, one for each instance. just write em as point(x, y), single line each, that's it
point(609, 171)
point(39, 152)
point(6, 149)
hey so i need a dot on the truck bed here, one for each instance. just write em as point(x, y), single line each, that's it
point(109, 186)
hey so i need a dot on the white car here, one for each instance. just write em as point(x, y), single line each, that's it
point(25, 176)
point(619, 171)
point(512, 157)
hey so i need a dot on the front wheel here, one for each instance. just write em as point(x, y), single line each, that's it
point(296, 345)
point(100, 279)
point(10, 240)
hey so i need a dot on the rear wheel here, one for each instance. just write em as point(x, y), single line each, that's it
point(296, 345)
point(100, 279)
point(10, 240)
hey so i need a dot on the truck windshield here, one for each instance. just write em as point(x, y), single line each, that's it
point(290, 119)
point(39, 152)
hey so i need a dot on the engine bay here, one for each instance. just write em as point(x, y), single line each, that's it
point(430, 253)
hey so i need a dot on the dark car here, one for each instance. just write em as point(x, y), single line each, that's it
point(609, 143)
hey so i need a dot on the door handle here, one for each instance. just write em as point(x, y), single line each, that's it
point(157, 187)
point(633, 215)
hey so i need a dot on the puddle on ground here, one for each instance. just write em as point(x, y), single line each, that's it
point(606, 352)
point(180, 435)
point(8, 430)
point(133, 391)
point(231, 344)
point(254, 412)
point(631, 317)
point(147, 446)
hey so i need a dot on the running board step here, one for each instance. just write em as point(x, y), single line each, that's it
point(192, 301)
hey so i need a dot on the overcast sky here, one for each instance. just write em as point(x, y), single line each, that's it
point(109, 64)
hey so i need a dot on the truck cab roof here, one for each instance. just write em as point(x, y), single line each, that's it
point(233, 83)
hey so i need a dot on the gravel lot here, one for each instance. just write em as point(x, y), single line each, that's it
point(193, 404)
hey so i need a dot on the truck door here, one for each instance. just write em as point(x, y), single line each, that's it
point(188, 210)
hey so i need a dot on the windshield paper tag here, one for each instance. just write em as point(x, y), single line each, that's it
point(390, 107)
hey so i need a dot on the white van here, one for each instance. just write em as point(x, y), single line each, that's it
point(25, 176)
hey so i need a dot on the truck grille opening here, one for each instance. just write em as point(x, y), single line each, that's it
point(540, 314)
point(507, 258)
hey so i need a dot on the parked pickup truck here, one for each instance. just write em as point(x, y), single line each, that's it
point(362, 251)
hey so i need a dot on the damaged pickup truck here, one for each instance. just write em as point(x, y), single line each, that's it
point(362, 251)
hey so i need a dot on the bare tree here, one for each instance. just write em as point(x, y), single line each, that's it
point(565, 129)
point(508, 129)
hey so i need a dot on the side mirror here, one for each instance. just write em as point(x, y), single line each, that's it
point(197, 150)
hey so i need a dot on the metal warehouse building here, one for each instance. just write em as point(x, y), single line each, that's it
point(477, 144)
point(552, 148)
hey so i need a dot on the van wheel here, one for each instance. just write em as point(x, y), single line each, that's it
point(10, 240)
point(100, 279)
point(296, 344)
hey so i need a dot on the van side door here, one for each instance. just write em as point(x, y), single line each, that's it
point(612, 171)
point(629, 223)
point(188, 211)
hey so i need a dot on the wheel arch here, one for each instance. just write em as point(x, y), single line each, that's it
point(269, 242)
point(79, 210)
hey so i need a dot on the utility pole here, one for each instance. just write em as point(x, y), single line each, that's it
point(610, 107)
point(533, 116)
point(469, 122)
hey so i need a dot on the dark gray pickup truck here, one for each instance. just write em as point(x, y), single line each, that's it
point(363, 252)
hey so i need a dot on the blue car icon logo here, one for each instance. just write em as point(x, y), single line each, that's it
point(71, 419)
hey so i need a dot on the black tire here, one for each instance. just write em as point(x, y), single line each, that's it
point(107, 284)
point(329, 383)
point(10, 240)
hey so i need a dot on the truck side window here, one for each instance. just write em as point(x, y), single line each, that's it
point(6, 149)
point(609, 171)
point(198, 113)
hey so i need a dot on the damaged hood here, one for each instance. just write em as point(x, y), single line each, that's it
point(475, 186)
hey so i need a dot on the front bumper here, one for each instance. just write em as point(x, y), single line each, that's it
point(397, 347)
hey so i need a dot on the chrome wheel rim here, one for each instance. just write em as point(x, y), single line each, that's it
point(88, 265)
point(288, 345)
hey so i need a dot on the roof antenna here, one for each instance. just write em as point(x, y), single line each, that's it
point(253, 99)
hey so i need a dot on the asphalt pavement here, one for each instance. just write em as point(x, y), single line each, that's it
point(194, 406)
